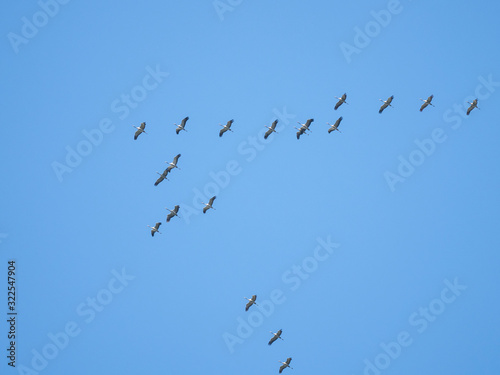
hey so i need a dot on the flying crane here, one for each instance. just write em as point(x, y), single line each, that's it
point(341, 101)
point(140, 129)
point(209, 204)
point(426, 102)
point(304, 127)
point(275, 337)
point(472, 106)
point(386, 103)
point(271, 129)
point(301, 130)
point(335, 126)
point(226, 127)
point(162, 177)
point(174, 163)
point(155, 229)
point(286, 364)
point(181, 126)
point(172, 213)
point(251, 301)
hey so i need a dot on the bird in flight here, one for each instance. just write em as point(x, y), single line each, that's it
point(426, 102)
point(275, 337)
point(335, 126)
point(304, 127)
point(155, 229)
point(472, 106)
point(251, 301)
point(226, 127)
point(162, 177)
point(208, 205)
point(386, 103)
point(140, 129)
point(286, 364)
point(341, 101)
point(174, 163)
point(172, 213)
point(271, 129)
point(181, 126)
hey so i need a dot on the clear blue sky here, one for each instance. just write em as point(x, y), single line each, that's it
point(409, 199)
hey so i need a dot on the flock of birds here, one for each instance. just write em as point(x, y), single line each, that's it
point(303, 129)
point(171, 166)
point(276, 335)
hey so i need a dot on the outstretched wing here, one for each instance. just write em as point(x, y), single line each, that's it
point(272, 340)
point(178, 130)
point(268, 133)
point(229, 123)
point(205, 209)
point(339, 103)
point(384, 106)
point(423, 106)
point(176, 209)
point(177, 158)
point(470, 109)
point(170, 215)
point(160, 179)
point(155, 229)
point(308, 122)
point(211, 201)
point(301, 131)
point(282, 368)
point(137, 133)
point(273, 125)
point(250, 303)
point(222, 131)
point(183, 122)
point(143, 126)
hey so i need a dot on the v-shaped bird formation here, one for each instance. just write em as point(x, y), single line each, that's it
point(301, 130)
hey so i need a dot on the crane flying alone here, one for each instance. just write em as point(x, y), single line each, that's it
point(172, 213)
point(276, 336)
point(271, 129)
point(472, 106)
point(181, 126)
point(251, 301)
point(426, 102)
point(140, 129)
point(286, 364)
point(155, 229)
point(335, 126)
point(209, 204)
point(341, 101)
point(226, 127)
point(386, 103)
